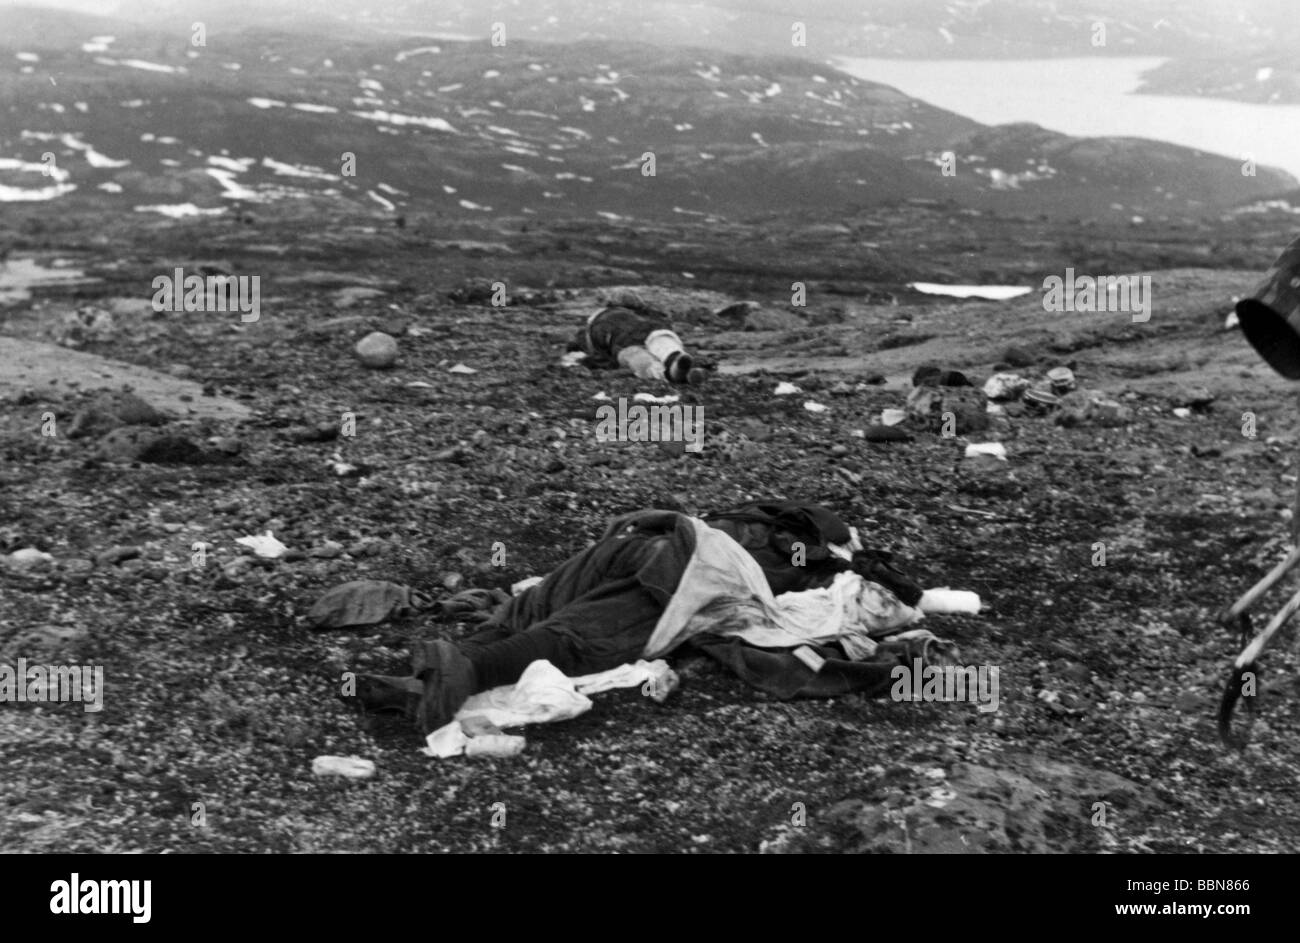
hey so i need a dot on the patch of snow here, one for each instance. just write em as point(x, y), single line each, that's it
point(294, 170)
point(407, 53)
point(230, 189)
point(419, 121)
point(179, 210)
point(988, 292)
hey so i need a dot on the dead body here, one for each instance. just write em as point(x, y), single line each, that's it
point(608, 605)
point(633, 335)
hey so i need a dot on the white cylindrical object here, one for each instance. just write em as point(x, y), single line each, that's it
point(945, 600)
point(662, 343)
point(352, 767)
point(495, 745)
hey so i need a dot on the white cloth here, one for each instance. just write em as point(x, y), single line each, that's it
point(663, 343)
point(848, 610)
point(542, 695)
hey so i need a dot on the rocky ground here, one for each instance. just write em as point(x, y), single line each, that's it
point(218, 693)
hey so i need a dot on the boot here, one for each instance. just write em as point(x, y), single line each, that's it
point(447, 679)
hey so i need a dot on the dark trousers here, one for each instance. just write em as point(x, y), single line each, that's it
point(595, 611)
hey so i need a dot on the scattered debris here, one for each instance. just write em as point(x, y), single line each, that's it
point(360, 603)
point(349, 767)
point(264, 545)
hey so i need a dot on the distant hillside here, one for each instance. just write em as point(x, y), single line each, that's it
point(140, 120)
point(1267, 78)
point(906, 28)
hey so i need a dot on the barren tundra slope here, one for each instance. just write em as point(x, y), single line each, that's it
point(218, 693)
point(476, 204)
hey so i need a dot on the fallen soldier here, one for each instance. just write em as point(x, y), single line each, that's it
point(781, 593)
point(631, 334)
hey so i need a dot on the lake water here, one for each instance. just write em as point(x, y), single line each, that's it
point(1091, 98)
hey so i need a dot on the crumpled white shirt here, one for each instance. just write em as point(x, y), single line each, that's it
point(542, 695)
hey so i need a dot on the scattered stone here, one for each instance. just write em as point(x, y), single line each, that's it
point(326, 551)
point(112, 410)
point(991, 449)
point(885, 434)
point(132, 444)
point(931, 408)
point(893, 417)
point(116, 555)
point(1198, 398)
point(738, 311)
point(1085, 407)
point(348, 297)
point(473, 291)
point(227, 445)
point(377, 351)
point(461, 368)
point(1005, 386)
point(839, 451)
point(44, 641)
point(930, 375)
point(324, 431)
point(1042, 805)
point(236, 568)
point(453, 582)
point(773, 319)
point(1018, 357)
point(30, 558)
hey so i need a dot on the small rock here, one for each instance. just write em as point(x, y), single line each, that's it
point(453, 582)
point(377, 350)
point(1018, 357)
point(1005, 386)
point(111, 410)
point(885, 434)
point(839, 451)
point(31, 558)
point(347, 297)
point(1197, 398)
point(227, 445)
point(327, 551)
point(116, 555)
